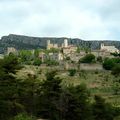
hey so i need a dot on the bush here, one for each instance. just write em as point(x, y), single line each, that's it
point(102, 110)
point(115, 54)
point(51, 62)
point(68, 58)
point(23, 116)
point(82, 73)
point(99, 59)
point(72, 72)
point(108, 64)
point(37, 62)
point(116, 70)
point(89, 58)
point(116, 87)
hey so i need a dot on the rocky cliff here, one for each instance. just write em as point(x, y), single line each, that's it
point(27, 42)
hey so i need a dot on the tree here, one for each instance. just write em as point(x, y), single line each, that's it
point(25, 56)
point(51, 62)
point(102, 110)
point(115, 54)
point(54, 50)
point(108, 64)
point(48, 100)
point(116, 70)
point(75, 103)
point(116, 87)
point(116, 81)
point(37, 62)
point(36, 53)
point(87, 49)
point(89, 58)
point(8, 87)
point(72, 72)
point(78, 49)
point(99, 59)
point(10, 64)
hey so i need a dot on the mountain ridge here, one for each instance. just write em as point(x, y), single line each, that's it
point(29, 42)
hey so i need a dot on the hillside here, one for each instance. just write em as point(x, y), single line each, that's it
point(27, 42)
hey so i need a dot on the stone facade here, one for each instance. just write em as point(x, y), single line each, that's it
point(56, 56)
point(51, 56)
point(11, 50)
point(42, 56)
point(77, 56)
point(69, 49)
point(50, 45)
point(110, 49)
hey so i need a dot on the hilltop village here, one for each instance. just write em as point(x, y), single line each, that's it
point(66, 54)
point(67, 51)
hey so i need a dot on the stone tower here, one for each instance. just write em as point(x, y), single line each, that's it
point(102, 45)
point(48, 44)
point(65, 43)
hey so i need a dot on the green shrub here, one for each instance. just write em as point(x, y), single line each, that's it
point(115, 54)
point(89, 58)
point(68, 58)
point(116, 70)
point(23, 116)
point(99, 59)
point(37, 62)
point(96, 71)
point(51, 62)
point(72, 72)
point(116, 88)
point(108, 64)
point(102, 110)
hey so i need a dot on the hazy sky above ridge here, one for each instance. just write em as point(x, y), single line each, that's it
point(85, 19)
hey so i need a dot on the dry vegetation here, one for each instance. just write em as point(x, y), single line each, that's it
point(99, 82)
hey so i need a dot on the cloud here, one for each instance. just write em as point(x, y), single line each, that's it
point(86, 19)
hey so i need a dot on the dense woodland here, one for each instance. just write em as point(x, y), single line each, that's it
point(31, 98)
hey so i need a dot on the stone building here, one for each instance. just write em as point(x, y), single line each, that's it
point(102, 53)
point(68, 49)
point(51, 56)
point(110, 49)
point(50, 45)
point(56, 56)
point(11, 50)
point(65, 44)
point(42, 56)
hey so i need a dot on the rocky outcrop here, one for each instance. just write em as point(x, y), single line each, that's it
point(27, 42)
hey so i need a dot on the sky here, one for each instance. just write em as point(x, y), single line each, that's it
point(84, 19)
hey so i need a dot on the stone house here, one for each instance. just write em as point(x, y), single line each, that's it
point(51, 56)
point(11, 50)
point(56, 56)
point(70, 49)
point(110, 49)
